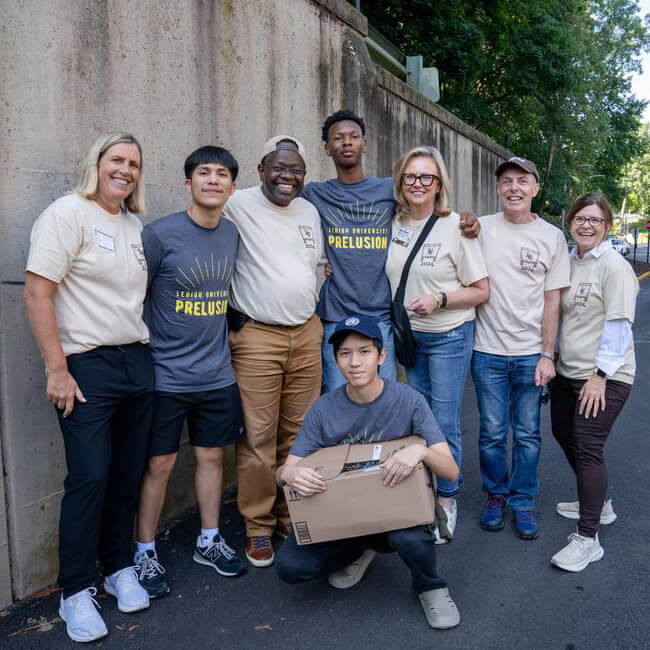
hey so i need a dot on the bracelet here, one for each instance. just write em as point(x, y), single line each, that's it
point(444, 300)
point(548, 355)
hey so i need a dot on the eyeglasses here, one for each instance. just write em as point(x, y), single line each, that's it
point(426, 180)
point(294, 171)
point(592, 221)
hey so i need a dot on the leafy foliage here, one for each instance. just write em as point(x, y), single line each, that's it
point(549, 79)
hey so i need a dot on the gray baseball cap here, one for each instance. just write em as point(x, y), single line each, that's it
point(527, 165)
point(272, 145)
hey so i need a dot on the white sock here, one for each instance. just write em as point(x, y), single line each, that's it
point(146, 546)
point(207, 535)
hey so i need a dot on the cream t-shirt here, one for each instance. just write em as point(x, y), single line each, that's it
point(523, 261)
point(274, 281)
point(602, 288)
point(98, 262)
point(446, 262)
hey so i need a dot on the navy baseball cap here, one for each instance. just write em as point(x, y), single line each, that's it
point(363, 325)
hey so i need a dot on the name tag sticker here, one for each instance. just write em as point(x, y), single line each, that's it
point(376, 452)
point(403, 236)
point(104, 241)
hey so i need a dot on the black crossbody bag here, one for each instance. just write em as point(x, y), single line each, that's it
point(402, 333)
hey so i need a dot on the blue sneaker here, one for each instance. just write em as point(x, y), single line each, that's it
point(492, 517)
point(525, 524)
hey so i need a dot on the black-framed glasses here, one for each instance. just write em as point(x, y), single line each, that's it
point(426, 180)
point(592, 221)
point(294, 171)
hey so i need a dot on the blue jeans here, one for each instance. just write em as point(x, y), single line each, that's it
point(507, 397)
point(440, 371)
point(332, 377)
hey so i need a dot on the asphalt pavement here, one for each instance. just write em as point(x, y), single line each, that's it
point(508, 593)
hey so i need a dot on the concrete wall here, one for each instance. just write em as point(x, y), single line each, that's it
point(178, 75)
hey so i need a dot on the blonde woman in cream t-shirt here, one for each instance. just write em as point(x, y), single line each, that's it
point(447, 279)
point(84, 287)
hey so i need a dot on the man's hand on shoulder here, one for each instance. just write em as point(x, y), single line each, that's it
point(402, 463)
point(304, 480)
point(470, 226)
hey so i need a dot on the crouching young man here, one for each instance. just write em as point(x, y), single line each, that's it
point(369, 409)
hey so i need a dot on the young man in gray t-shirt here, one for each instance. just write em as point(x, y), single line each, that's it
point(190, 258)
point(369, 409)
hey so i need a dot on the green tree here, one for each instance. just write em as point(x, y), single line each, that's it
point(547, 79)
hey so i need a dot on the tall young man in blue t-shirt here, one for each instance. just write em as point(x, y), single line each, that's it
point(190, 257)
point(369, 408)
point(356, 212)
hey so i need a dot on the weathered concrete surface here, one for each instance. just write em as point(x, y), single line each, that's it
point(178, 75)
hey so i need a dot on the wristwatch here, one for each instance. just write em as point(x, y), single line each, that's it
point(548, 355)
point(601, 373)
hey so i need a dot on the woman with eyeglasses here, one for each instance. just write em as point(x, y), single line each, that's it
point(446, 281)
point(84, 287)
point(595, 371)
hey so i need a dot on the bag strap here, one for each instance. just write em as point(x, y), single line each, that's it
point(414, 251)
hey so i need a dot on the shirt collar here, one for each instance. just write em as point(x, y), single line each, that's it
point(594, 252)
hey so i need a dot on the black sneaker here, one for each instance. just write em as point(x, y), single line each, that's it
point(151, 574)
point(220, 557)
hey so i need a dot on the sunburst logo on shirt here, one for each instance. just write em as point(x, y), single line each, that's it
point(343, 215)
point(200, 272)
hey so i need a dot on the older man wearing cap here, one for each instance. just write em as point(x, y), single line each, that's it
point(514, 341)
point(369, 409)
point(276, 353)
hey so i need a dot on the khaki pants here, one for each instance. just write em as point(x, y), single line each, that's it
point(278, 370)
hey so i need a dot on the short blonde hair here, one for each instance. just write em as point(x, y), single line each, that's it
point(441, 202)
point(88, 184)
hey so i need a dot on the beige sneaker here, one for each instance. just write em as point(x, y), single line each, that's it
point(571, 510)
point(440, 609)
point(578, 553)
point(351, 574)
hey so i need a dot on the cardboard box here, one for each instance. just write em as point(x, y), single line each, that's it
point(356, 501)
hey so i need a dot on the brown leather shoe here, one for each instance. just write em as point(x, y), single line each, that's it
point(259, 550)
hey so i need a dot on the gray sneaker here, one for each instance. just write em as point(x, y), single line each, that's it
point(351, 574)
point(571, 510)
point(440, 609)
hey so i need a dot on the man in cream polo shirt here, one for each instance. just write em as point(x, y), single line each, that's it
point(528, 264)
point(276, 355)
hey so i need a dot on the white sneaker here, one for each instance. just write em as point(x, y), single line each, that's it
point(578, 553)
point(440, 609)
point(452, 518)
point(125, 586)
point(82, 620)
point(571, 510)
point(351, 574)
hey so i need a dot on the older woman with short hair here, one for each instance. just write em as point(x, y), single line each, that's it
point(595, 371)
point(447, 279)
point(84, 287)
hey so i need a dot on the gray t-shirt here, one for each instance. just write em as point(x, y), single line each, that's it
point(356, 222)
point(189, 284)
point(334, 419)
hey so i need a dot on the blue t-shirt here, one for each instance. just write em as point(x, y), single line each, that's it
point(189, 283)
point(356, 221)
point(334, 419)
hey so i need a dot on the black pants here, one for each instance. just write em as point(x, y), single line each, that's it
point(414, 545)
point(583, 442)
point(105, 449)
